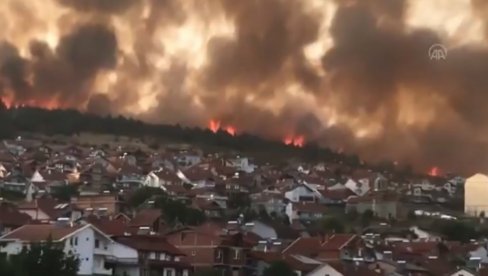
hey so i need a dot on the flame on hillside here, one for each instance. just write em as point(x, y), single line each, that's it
point(434, 171)
point(296, 141)
point(216, 126)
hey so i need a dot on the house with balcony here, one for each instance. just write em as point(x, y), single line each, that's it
point(303, 193)
point(109, 203)
point(16, 182)
point(141, 255)
point(383, 205)
point(90, 245)
point(305, 211)
point(213, 246)
point(270, 201)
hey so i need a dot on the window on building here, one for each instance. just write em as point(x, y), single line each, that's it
point(97, 243)
point(236, 254)
point(193, 253)
point(76, 240)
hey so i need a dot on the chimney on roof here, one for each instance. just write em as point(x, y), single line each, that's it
point(143, 230)
point(377, 269)
point(63, 222)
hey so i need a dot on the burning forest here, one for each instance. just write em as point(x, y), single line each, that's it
point(347, 74)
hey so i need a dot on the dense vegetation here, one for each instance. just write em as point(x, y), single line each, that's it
point(40, 259)
point(175, 212)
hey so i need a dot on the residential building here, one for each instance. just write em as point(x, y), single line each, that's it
point(146, 255)
point(475, 191)
point(382, 205)
point(108, 202)
point(213, 246)
point(305, 211)
point(90, 245)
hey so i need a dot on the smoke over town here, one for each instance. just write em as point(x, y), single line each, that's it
point(354, 75)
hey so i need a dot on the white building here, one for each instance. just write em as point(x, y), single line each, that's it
point(359, 187)
point(324, 269)
point(91, 246)
point(475, 193)
point(303, 193)
point(242, 164)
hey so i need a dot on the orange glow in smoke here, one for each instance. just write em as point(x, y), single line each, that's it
point(7, 101)
point(434, 171)
point(45, 104)
point(297, 141)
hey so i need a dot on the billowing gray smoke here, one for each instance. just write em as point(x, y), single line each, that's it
point(373, 90)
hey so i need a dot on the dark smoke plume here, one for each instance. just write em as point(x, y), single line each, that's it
point(374, 91)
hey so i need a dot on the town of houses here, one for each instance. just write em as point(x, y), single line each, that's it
point(289, 204)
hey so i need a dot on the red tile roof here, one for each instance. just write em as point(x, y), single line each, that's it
point(10, 216)
point(145, 217)
point(41, 232)
point(297, 264)
point(109, 227)
point(304, 246)
point(290, 259)
point(154, 243)
point(340, 194)
point(46, 205)
point(338, 241)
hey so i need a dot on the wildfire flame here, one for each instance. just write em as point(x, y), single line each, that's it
point(46, 104)
point(434, 171)
point(231, 130)
point(297, 141)
point(215, 126)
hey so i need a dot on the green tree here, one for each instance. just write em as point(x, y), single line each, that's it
point(208, 272)
point(239, 201)
point(333, 225)
point(176, 211)
point(64, 193)
point(367, 217)
point(40, 259)
point(279, 268)
point(352, 215)
point(457, 230)
point(143, 194)
point(411, 215)
point(6, 267)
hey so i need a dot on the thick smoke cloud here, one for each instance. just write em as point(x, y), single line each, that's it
point(108, 6)
point(367, 85)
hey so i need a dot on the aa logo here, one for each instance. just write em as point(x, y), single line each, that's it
point(438, 52)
